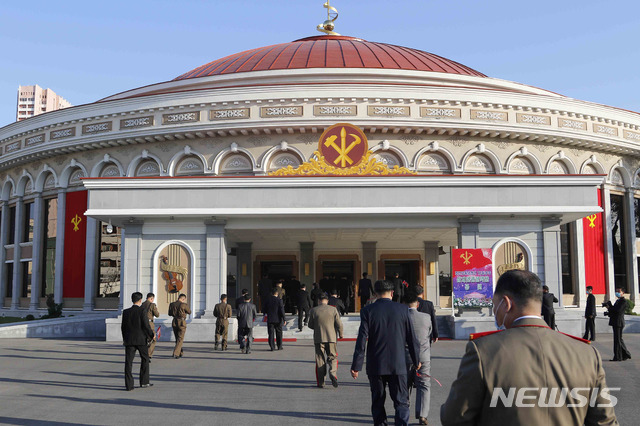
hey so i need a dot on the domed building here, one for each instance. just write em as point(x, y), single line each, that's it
point(206, 183)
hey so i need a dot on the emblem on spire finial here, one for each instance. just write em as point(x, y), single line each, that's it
point(328, 26)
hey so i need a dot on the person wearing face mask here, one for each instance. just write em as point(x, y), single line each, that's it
point(522, 356)
point(616, 320)
point(590, 315)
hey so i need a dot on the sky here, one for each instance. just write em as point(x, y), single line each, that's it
point(85, 51)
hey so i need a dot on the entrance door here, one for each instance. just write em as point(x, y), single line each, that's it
point(408, 270)
point(339, 275)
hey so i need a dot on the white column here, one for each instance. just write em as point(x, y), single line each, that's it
point(4, 235)
point(580, 278)
point(608, 247)
point(552, 257)
point(37, 250)
point(60, 223)
point(90, 265)
point(216, 265)
point(17, 265)
point(132, 253)
point(468, 233)
point(432, 284)
point(630, 246)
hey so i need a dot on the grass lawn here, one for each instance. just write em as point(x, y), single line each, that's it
point(6, 320)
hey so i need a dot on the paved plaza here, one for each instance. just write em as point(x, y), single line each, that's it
point(74, 382)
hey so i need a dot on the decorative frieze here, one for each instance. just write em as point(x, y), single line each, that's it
point(389, 111)
point(605, 130)
point(91, 129)
point(439, 113)
point(276, 112)
point(62, 133)
point(181, 117)
point(136, 123)
point(533, 119)
point(12, 147)
point(324, 110)
point(632, 136)
point(565, 123)
point(34, 140)
point(479, 114)
point(226, 114)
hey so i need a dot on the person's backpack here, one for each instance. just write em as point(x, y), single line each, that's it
point(172, 309)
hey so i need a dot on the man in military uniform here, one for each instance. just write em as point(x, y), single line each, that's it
point(325, 322)
point(514, 377)
point(222, 311)
point(179, 311)
point(152, 311)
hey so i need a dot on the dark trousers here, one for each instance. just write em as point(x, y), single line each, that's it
point(277, 328)
point(129, 354)
point(305, 311)
point(590, 329)
point(363, 301)
point(245, 337)
point(399, 393)
point(620, 351)
point(550, 319)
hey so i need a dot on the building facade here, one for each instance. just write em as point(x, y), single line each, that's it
point(196, 185)
point(34, 100)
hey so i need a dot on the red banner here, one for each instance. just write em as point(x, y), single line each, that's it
point(75, 242)
point(472, 274)
point(594, 260)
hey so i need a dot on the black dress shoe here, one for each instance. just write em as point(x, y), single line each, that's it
point(280, 348)
point(129, 390)
point(334, 381)
point(148, 385)
point(272, 349)
point(613, 359)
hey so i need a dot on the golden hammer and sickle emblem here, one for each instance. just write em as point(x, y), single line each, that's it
point(466, 256)
point(342, 150)
point(592, 219)
point(76, 221)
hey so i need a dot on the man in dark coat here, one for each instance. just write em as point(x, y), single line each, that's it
point(136, 333)
point(616, 320)
point(337, 303)
point(247, 314)
point(398, 287)
point(426, 306)
point(303, 303)
point(590, 315)
point(316, 291)
point(274, 310)
point(365, 289)
point(240, 300)
point(548, 313)
point(385, 331)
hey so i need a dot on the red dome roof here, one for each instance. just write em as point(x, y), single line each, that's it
point(330, 52)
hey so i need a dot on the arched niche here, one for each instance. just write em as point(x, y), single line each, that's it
point(521, 166)
point(236, 164)
point(509, 254)
point(190, 165)
point(283, 159)
point(433, 162)
point(479, 163)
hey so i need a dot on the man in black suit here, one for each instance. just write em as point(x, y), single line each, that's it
point(303, 303)
point(337, 303)
point(548, 313)
point(616, 320)
point(240, 300)
point(398, 288)
point(136, 333)
point(385, 331)
point(264, 290)
point(426, 306)
point(590, 315)
point(316, 291)
point(247, 314)
point(274, 309)
point(365, 288)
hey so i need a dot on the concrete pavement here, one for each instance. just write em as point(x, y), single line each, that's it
point(76, 382)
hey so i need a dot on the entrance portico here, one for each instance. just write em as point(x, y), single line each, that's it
point(310, 218)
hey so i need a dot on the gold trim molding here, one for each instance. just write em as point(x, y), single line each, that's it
point(369, 166)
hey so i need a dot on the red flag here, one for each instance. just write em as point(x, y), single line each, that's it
point(594, 262)
point(75, 243)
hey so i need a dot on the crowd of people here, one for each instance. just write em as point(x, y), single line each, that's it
point(395, 338)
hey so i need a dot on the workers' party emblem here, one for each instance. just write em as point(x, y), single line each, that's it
point(343, 145)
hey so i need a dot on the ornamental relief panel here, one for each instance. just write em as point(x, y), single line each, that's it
point(190, 166)
point(50, 182)
point(76, 177)
point(284, 160)
point(478, 163)
point(236, 164)
point(589, 170)
point(148, 168)
point(521, 166)
point(388, 158)
point(616, 178)
point(558, 168)
point(110, 171)
point(433, 163)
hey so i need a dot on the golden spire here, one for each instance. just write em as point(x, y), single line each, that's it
point(328, 26)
